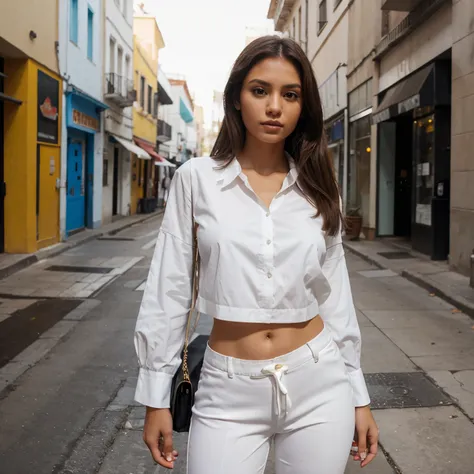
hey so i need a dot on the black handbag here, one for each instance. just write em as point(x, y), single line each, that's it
point(186, 379)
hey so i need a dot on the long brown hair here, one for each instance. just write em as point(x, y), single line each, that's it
point(307, 144)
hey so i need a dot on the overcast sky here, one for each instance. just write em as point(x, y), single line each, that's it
point(203, 38)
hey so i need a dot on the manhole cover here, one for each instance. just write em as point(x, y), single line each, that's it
point(119, 239)
point(404, 390)
point(396, 255)
point(24, 326)
point(72, 269)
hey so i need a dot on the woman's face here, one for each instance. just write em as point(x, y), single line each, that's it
point(270, 100)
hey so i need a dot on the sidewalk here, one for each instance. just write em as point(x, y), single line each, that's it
point(436, 277)
point(12, 263)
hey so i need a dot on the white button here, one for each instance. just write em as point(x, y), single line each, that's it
point(269, 275)
point(269, 242)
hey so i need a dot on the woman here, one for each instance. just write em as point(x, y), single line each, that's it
point(283, 360)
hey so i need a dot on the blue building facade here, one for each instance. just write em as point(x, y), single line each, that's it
point(83, 120)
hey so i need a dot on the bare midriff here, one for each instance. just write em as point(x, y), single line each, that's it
point(258, 341)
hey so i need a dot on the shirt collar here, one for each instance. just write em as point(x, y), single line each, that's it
point(230, 173)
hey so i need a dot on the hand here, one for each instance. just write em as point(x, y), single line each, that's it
point(158, 436)
point(366, 436)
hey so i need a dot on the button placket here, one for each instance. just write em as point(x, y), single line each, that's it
point(268, 253)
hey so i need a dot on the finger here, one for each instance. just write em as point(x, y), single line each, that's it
point(362, 442)
point(370, 457)
point(372, 453)
point(354, 450)
point(156, 454)
point(168, 445)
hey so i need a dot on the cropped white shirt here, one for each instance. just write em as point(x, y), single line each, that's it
point(258, 264)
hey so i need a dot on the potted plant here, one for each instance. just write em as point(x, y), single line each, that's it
point(353, 220)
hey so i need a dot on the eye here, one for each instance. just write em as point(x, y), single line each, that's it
point(292, 95)
point(259, 91)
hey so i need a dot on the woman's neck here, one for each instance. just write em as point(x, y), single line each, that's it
point(264, 158)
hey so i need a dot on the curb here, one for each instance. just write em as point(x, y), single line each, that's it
point(365, 257)
point(44, 254)
point(420, 281)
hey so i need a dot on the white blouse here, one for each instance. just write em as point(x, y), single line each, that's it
point(258, 264)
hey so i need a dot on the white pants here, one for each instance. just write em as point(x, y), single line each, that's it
point(301, 400)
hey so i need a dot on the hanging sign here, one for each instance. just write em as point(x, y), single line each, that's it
point(48, 104)
point(84, 120)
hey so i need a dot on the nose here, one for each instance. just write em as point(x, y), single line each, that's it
point(274, 105)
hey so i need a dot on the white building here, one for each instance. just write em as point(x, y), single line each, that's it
point(184, 138)
point(119, 94)
point(322, 29)
point(165, 111)
point(81, 64)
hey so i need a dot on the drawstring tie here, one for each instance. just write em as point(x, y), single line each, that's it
point(276, 372)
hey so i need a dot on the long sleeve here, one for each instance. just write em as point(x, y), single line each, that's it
point(161, 324)
point(338, 313)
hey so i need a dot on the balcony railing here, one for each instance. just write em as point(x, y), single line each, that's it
point(164, 131)
point(400, 5)
point(119, 90)
point(422, 12)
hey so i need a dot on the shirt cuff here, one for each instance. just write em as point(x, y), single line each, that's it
point(153, 388)
point(361, 396)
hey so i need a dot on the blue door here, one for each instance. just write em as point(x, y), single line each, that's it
point(75, 210)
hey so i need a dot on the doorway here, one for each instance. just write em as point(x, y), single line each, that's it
point(2, 176)
point(403, 177)
point(47, 195)
point(75, 214)
point(115, 187)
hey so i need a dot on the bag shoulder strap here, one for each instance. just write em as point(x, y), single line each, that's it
point(194, 295)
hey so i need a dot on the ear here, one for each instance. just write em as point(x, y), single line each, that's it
point(237, 105)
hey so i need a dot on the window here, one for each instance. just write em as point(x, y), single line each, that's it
point(385, 22)
point(90, 34)
point(74, 22)
point(306, 34)
point(300, 36)
point(112, 56)
point(142, 92)
point(119, 61)
point(105, 173)
point(149, 99)
point(126, 72)
point(155, 105)
point(323, 15)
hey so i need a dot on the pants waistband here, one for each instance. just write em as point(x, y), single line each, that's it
point(302, 354)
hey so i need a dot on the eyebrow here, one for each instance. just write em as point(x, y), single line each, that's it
point(267, 84)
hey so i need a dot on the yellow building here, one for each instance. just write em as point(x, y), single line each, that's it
point(30, 125)
point(147, 41)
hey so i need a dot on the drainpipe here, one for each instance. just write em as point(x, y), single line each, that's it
point(346, 158)
point(471, 282)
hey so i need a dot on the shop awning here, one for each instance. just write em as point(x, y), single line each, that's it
point(415, 91)
point(147, 147)
point(164, 162)
point(130, 146)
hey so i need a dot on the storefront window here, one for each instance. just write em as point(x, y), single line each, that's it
point(359, 168)
point(424, 168)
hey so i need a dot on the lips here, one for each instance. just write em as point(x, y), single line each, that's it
point(273, 123)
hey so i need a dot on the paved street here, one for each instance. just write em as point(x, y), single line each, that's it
point(67, 375)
